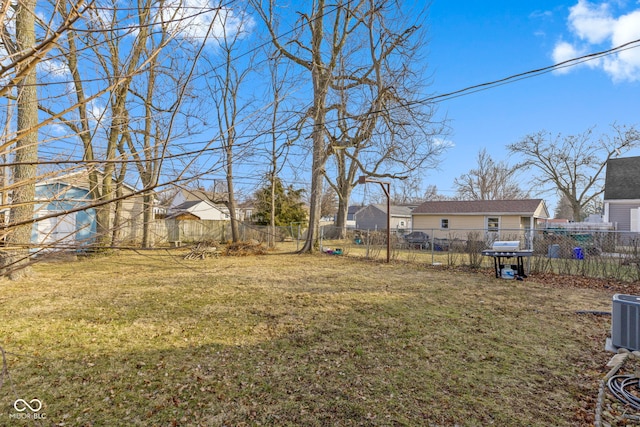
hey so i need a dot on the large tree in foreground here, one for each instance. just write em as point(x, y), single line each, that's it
point(573, 165)
point(26, 146)
point(357, 55)
point(489, 180)
point(315, 48)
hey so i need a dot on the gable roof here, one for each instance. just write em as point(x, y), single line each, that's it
point(191, 195)
point(395, 209)
point(78, 179)
point(524, 207)
point(353, 209)
point(188, 205)
point(622, 180)
point(197, 208)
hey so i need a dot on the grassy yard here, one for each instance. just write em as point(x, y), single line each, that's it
point(151, 339)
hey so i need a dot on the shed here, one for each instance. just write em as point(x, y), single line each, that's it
point(65, 224)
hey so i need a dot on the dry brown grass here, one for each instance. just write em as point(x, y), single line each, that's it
point(285, 339)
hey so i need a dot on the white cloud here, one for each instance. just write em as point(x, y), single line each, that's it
point(54, 68)
point(564, 51)
point(195, 20)
point(97, 111)
point(591, 22)
point(595, 27)
point(56, 129)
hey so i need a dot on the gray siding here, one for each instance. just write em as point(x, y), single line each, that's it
point(619, 213)
point(371, 218)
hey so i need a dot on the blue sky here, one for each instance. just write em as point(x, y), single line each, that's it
point(475, 42)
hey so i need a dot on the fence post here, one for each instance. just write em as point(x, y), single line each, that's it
point(368, 244)
point(433, 260)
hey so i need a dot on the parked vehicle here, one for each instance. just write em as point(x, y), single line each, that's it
point(417, 240)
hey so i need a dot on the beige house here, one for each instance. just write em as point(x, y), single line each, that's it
point(493, 219)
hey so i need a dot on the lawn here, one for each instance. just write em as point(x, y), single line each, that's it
point(151, 339)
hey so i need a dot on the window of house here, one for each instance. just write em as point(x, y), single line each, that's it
point(493, 224)
point(402, 224)
point(444, 223)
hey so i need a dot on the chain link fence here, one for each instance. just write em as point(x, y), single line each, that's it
point(590, 253)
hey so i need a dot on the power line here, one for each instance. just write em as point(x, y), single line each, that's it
point(531, 73)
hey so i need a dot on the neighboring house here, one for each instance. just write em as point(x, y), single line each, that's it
point(246, 209)
point(189, 195)
point(351, 216)
point(199, 204)
point(199, 210)
point(622, 193)
point(56, 197)
point(374, 217)
point(498, 219)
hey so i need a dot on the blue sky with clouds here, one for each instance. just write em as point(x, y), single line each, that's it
point(475, 42)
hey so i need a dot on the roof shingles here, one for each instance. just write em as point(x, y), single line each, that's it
point(622, 179)
point(470, 207)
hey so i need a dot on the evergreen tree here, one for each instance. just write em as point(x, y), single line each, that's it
point(289, 207)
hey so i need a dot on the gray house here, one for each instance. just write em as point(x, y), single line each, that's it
point(351, 216)
point(374, 217)
point(622, 193)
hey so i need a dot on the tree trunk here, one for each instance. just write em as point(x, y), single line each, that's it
point(317, 181)
point(231, 205)
point(577, 211)
point(26, 157)
point(147, 218)
point(341, 217)
point(321, 82)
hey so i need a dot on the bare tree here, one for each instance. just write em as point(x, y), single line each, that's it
point(104, 38)
point(489, 181)
point(407, 191)
point(121, 116)
point(225, 85)
point(26, 145)
point(329, 202)
point(96, 74)
point(156, 96)
point(278, 143)
point(317, 52)
point(381, 130)
point(573, 165)
point(431, 194)
point(357, 65)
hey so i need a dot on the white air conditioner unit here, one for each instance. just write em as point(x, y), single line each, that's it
point(625, 322)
